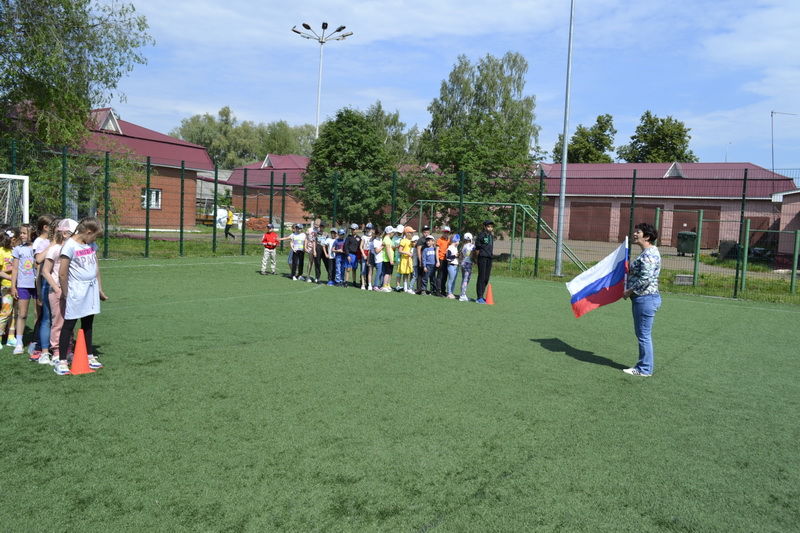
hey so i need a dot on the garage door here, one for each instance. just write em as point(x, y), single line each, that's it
point(644, 213)
point(687, 221)
point(589, 222)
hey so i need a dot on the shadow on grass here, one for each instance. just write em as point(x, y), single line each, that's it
point(559, 346)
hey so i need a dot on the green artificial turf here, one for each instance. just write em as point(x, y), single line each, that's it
point(237, 402)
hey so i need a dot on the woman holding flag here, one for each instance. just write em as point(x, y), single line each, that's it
point(642, 288)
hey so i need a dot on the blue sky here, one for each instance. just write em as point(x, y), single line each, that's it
point(719, 66)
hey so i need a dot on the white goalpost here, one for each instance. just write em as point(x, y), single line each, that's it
point(14, 199)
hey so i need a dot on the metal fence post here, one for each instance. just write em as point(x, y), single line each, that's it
point(283, 208)
point(513, 232)
point(658, 222)
point(698, 237)
point(793, 281)
point(106, 202)
point(522, 241)
point(745, 253)
point(739, 243)
point(244, 210)
point(538, 223)
point(394, 196)
point(147, 211)
point(633, 204)
point(336, 196)
point(460, 201)
point(214, 215)
point(271, 194)
point(180, 238)
point(64, 182)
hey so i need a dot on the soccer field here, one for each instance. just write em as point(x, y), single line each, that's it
point(237, 402)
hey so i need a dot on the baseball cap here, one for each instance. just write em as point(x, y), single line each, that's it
point(342, 231)
point(445, 228)
point(408, 229)
point(353, 226)
point(270, 226)
point(67, 224)
point(488, 223)
point(333, 230)
point(415, 238)
point(456, 238)
point(388, 229)
point(368, 226)
point(468, 236)
point(399, 229)
point(426, 228)
point(429, 238)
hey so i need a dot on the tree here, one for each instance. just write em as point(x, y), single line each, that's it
point(349, 162)
point(658, 140)
point(399, 143)
point(61, 58)
point(482, 123)
point(589, 145)
point(231, 143)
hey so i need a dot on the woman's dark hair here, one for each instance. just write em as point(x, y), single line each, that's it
point(650, 233)
point(89, 224)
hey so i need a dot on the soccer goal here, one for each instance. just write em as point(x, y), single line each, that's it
point(14, 196)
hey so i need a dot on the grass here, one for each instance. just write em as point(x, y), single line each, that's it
point(752, 266)
point(236, 402)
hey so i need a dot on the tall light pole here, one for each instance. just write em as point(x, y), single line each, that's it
point(321, 38)
point(772, 132)
point(564, 142)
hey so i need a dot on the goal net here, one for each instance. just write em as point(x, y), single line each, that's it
point(13, 199)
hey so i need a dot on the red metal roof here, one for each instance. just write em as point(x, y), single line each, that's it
point(142, 142)
point(666, 180)
point(258, 175)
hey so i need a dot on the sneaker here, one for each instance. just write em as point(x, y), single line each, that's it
point(44, 359)
point(32, 348)
point(294, 278)
point(19, 349)
point(463, 299)
point(94, 363)
point(363, 288)
point(34, 356)
point(53, 359)
point(480, 301)
point(330, 284)
point(309, 280)
point(635, 372)
point(61, 368)
point(386, 289)
point(263, 273)
point(409, 291)
point(301, 278)
point(12, 341)
point(451, 296)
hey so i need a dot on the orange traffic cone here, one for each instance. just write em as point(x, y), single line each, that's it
point(80, 359)
point(489, 296)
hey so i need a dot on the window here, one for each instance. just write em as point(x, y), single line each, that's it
point(155, 198)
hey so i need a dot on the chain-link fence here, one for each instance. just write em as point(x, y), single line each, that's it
point(725, 229)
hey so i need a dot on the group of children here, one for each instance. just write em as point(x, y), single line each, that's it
point(53, 264)
point(371, 260)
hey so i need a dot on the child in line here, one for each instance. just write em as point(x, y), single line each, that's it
point(41, 329)
point(81, 289)
point(311, 253)
point(451, 256)
point(366, 266)
point(441, 249)
point(430, 264)
point(298, 239)
point(11, 337)
point(414, 263)
point(398, 236)
point(406, 267)
point(466, 265)
point(330, 259)
point(388, 258)
point(340, 258)
point(63, 230)
point(270, 242)
point(6, 265)
point(377, 259)
point(23, 282)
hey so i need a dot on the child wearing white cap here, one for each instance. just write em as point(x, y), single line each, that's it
point(466, 265)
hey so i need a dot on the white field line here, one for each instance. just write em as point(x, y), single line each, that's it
point(178, 264)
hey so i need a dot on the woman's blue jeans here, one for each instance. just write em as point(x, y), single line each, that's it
point(644, 313)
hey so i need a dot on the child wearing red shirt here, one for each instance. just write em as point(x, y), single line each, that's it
point(270, 242)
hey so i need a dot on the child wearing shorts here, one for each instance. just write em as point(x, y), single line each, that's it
point(23, 281)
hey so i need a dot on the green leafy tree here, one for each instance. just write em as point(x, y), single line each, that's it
point(589, 145)
point(398, 141)
point(658, 140)
point(482, 123)
point(350, 162)
point(61, 58)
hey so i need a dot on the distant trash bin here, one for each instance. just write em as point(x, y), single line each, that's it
point(686, 242)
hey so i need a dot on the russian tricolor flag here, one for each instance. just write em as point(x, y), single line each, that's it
point(602, 284)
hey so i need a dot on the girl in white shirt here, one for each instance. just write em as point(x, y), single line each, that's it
point(298, 245)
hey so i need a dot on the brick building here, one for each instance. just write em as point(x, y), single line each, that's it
point(110, 133)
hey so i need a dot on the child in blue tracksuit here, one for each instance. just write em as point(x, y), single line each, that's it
point(430, 263)
point(340, 258)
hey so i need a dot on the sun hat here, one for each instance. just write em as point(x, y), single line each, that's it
point(468, 236)
point(445, 228)
point(388, 229)
point(67, 224)
point(456, 238)
point(408, 229)
point(342, 231)
point(353, 226)
point(415, 238)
